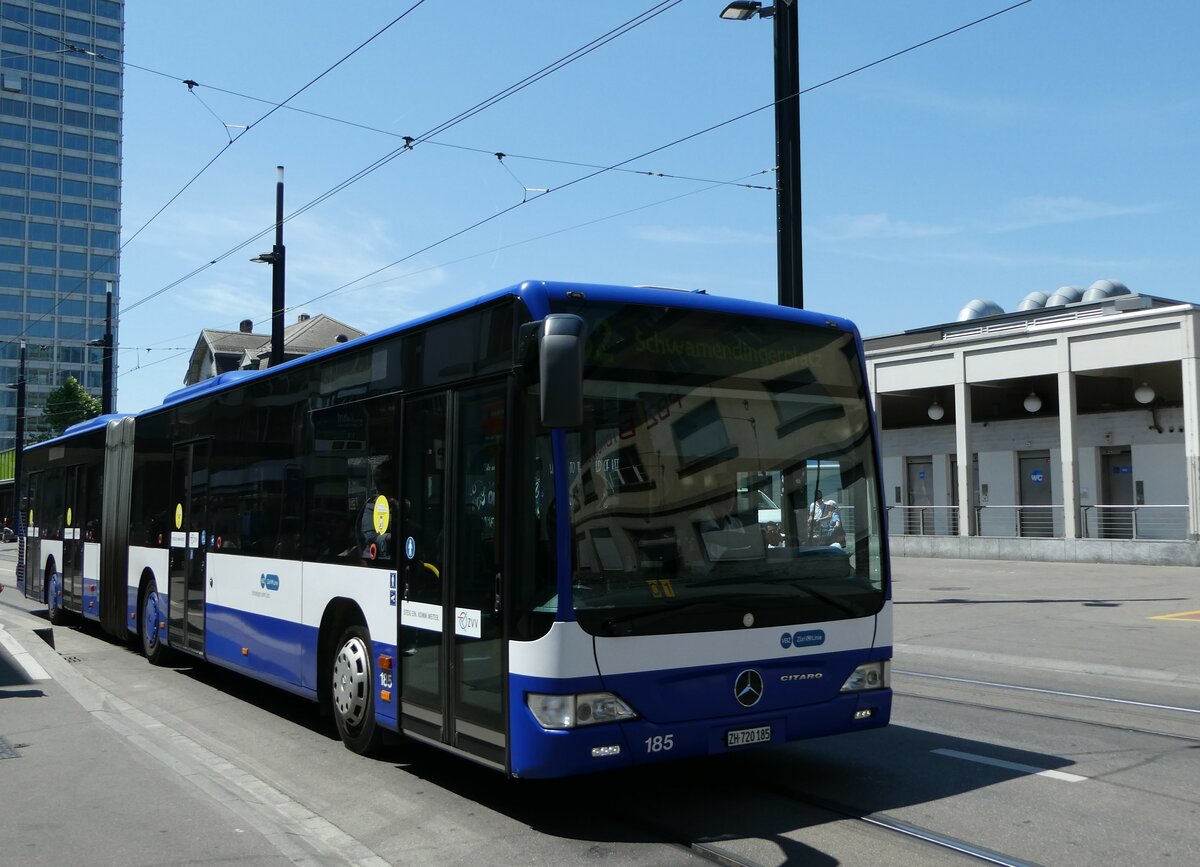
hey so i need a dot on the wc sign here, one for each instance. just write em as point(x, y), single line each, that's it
point(1037, 477)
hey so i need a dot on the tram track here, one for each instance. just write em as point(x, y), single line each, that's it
point(1078, 720)
point(876, 821)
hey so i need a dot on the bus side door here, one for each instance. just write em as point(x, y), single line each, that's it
point(189, 498)
point(72, 564)
point(451, 632)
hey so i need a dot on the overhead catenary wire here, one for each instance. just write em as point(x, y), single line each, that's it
point(232, 139)
point(613, 167)
point(411, 141)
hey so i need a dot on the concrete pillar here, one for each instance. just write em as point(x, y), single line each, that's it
point(1191, 425)
point(965, 451)
point(1069, 444)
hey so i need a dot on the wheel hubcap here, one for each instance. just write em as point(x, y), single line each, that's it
point(150, 620)
point(351, 681)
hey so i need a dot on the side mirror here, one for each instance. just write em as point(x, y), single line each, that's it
point(560, 365)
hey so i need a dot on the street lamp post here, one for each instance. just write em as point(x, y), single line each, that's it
point(276, 260)
point(787, 139)
point(106, 387)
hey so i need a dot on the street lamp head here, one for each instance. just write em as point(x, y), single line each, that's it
point(741, 10)
point(265, 259)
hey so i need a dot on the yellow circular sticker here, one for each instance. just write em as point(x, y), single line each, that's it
point(383, 514)
point(68, 516)
point(179, 516)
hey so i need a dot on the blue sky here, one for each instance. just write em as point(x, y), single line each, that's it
point(1055, 144)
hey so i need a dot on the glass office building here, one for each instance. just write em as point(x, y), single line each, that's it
point(60, 193)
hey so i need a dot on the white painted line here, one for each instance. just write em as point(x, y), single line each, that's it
point(21, 656)
point(1012, 766)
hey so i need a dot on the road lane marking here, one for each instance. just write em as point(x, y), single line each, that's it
point(21, 657)
point(1183, 615)
point(1012, 766)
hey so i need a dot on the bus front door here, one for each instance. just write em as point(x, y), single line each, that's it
point(451, 635)
point(189, 497)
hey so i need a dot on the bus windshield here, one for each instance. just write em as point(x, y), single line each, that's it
point(724, 475)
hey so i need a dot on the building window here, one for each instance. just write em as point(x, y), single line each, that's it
point(14, 131)
point(75, 72)
point(75, 141)
point(43, 207)
point(77, 95)
point(47, 113)
point(79, 26)
point(73, 261)
point(47, 66)
point(46, 89)
point(76, 235)
point(74, 117)
point(43, 184)
point(43, 160)
point(39, 258)
point(45, 232)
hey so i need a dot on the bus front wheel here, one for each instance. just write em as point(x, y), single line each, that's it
point(352, 691)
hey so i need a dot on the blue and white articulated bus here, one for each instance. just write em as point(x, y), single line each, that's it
point(560, 529)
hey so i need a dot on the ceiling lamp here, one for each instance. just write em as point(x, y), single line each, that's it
point(1033, 403)
point(936, 411)
point(1143, 393)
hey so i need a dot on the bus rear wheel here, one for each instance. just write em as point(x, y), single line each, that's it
point(352, 691)
point(152, 615)
point(55, 613)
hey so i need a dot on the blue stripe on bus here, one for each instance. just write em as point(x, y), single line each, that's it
point(282, 650)
point(698, 726)
point(284, 654)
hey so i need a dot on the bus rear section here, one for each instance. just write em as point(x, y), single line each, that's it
point(716, 541)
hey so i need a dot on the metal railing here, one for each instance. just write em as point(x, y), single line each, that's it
point(1159, 522)
point(1164, 522)
point(923, 520)
point(1022, 522)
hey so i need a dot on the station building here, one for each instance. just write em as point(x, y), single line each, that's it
point(1080, 414)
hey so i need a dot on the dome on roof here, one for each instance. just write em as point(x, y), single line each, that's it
point(1033, 301)
point(1102, 289)
point(977, 309)
point(1065, 295)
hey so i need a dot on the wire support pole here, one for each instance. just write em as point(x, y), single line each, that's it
point(787, 153)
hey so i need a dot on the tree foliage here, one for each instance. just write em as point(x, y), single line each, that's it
point(67, 405)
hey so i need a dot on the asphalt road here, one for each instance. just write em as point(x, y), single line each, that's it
point(1045, 714)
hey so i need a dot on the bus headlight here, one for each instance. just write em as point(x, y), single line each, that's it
point(572, 711)
point(869, 675)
